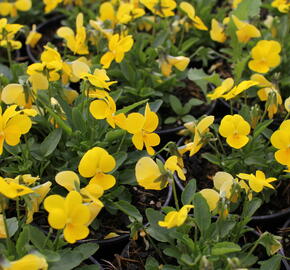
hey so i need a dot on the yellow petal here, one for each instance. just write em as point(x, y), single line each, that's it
point(68, 179)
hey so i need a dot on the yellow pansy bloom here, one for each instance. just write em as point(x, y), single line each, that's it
point(2, 228)
point(33, 37)
point(199, 130)
point(175, 218)
point(238, 89)
point(50, 5)
point(218, 92)
point(287, 104)
point(162, 8)
point(280, 139)
point(265, 56)
point(7, 34)
point(14, 94)
point(36, 198)
point(76, 42)
point(13, 124)
point(217, 32)
point(171, 164)
point(7, 8)
point(245, 30)
point(118, 45)
point(257, 182)
point(69, 214)
point(166, 63)
point(190, 12)
point(142, 128)
point(128, 12)
point(211, 196)
point(96, 163)
point(12, 190)
point(282, 5)
point(30, 261)
point(235, 129)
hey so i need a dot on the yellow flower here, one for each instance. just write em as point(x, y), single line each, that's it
point(218, 92)
point(148, 174)
point(166, 63)
point(190, 12)
point(13, 124)
point(7, 34)
point(37, 79)
point(105, 108)
point(33, 37)
point(118, 45)
point(30, 261)
point(162, 8)
point(12, 190)
point(280, 139)
point(107, 13)
point(287, 104)
point(69, 214)
point(146, 23)
point(128, 12)
point(14, 94)
point(268, 93)
point(75, 42)
point(211, 197)
point(257, 182)
point(2, 228)
point(96, 163)
point(236, 3)
point(7, 8)
point(223, 182)
point(282, 5)
point(217, 32)
point(36, 198)
point(142, 128)
point(265, 56)
point(175, 218)
point(199, 131)
point(245, 30)
point(238, 89)
point(68, 179)
point(235, 129)
point(51, 5)
point(171, 164)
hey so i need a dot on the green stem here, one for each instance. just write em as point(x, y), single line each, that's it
point(175, 195)
point(47, 238)
point(18, 209)
point(7, 239)
point(55, 243)
point(122, 141)
point(9, 53)
point(286, 117)
point(156, 248)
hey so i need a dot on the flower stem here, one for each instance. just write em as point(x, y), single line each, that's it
point(175, 195)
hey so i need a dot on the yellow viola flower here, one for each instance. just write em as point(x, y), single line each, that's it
point(142, 128)
point(190, 12)
point(69, 214)
point(146, 23)
point(175, 218)
point(7, 34)
point(13, 124)
point(287, 104)
point(33, 37)
point(245, 30)
point(166, 64)
point(171, 164)
point(257, 182)
point(75, 42)
point(38, 80)
point(50, 5)
point(211, 196)
point(10, 9)
point(238, 89)
point(26, 179)
point(218, 92)
point(282, 5)
point(105, 108)
point(148, 174)
point(223, 182)
point(14, 94)
point(280, 139)
point(235, 3)
point(236, 130)
point(265, 56)
point(12, 190)
point(107, 13)
point(200, 129)
point(217, 32)
point(118, 46)
point(128, 12)
point(30, 261)
point(68, 179)
point(36, 198)
point(162, 8)
point(96, 163)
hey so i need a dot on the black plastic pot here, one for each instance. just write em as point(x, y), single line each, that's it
point(41, 28)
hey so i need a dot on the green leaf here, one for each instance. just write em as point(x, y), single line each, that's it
point(261, 127)
point(78, 120)
point(248, 8)
point(128, 71)
point(211, 158)
point(187, 118)
point(151, 264)
point(50, 142)
point(188, 43)
point(201, 213)
point(22, 241)
point(37, 237)
point(224, 248)
point(195, 102)
point(189, 192)
point(250, 207)
point(271, 242)
point(170, 120)
point(273, 263)
point(87, 249)
point(50, 255)
point(129, 210)
point(176, 105)
point(12, 224)
point(160, 38)
point(89, 267)
point(120, 157)
point(114, 134)
point(5, 71)
point(132, 106)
